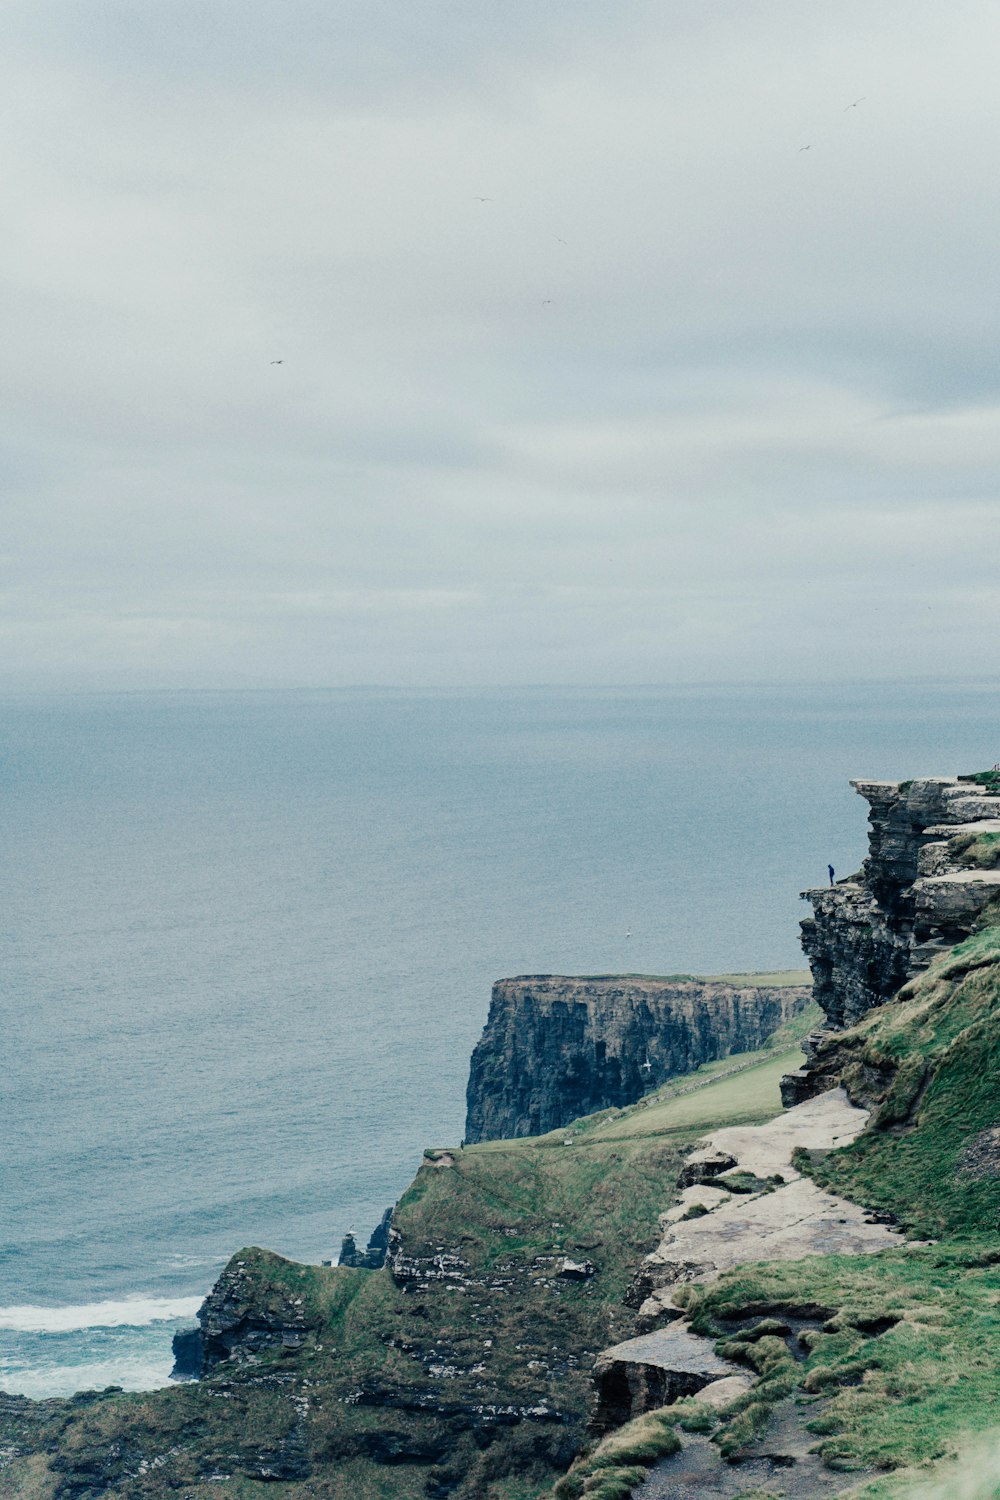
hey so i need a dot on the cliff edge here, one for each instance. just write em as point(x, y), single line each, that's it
point(557, 1047)
point(929, 882)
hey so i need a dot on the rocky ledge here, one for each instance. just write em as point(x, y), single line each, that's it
point(556, 1048)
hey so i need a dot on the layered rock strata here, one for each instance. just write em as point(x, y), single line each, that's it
point(555, 1048)
point(373, 1258)
point(645, 1373)
point(932, 866)
point(237, 1323)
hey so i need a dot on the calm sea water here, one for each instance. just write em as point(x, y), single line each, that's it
point(248, 942)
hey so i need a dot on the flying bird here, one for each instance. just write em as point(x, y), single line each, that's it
point(546, 301)
point(856, 103)
point(277, 361)
point(805, 148)
point(558, 240)
point(483, 200)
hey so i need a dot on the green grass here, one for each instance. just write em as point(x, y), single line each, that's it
point(988, 780)
point(897, 1398)
point(621, 1461)
point(776, 979)
point(977, 851)
point(744, 1097)
point(930, 1063)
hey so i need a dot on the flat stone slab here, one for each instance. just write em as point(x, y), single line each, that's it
point(796, 1219)
point(792, 1222)
point(674, 1348)
point(827, 1121)
point(721, 1392)
point(702, 1195)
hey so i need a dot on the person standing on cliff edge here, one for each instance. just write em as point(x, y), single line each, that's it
point(830, 868)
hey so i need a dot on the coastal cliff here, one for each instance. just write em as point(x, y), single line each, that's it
point(933, 866)
point(555, 1047)
point(694, 1293)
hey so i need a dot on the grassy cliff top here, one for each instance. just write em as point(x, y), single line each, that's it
point(775, 979)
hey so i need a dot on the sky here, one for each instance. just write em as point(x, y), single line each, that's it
point(459, 343)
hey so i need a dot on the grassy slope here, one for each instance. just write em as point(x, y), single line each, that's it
point(902, 1396)
point(931, 1062)
point(507, 1208)
point(903, 1358)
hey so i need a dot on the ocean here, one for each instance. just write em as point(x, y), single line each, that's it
point(248, 942)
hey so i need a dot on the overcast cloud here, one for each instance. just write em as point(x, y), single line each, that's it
point(679, 401)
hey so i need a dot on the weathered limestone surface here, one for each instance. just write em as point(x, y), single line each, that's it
point(784, 1216)
point(762, 1208)
point(556, 1047)
point(931, 869)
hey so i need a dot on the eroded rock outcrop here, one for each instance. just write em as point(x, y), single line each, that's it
point(933, 865)
point(372, 1259)
point(555, 1047)
point(248, 1312)
point(643, 1374)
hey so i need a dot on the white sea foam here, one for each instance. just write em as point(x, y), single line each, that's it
point(126, 1312)
point(133, 1374)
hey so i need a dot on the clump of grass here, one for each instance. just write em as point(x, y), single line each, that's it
point(904, 1350)
point(642, 1441)
point(743, 1182)
point(773, 1327)
point(988, 780)
point(976, 851)
point(693, 1415)
point(778, 1375)
point(613, 1469)
point(613, 1484)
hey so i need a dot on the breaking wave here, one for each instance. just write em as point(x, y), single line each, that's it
point(125, 1312)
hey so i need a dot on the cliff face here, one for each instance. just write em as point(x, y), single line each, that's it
point(934, 848)
point(555, 1048)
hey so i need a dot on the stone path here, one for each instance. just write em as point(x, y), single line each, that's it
point(787, 1220)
